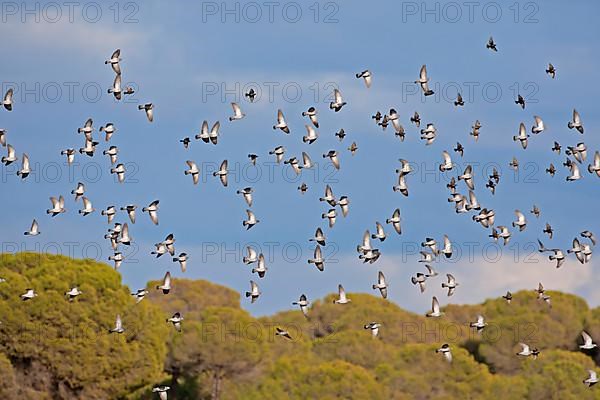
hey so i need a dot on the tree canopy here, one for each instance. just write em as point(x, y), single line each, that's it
point(53, 348)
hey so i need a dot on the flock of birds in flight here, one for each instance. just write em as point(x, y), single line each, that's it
point(119, 235)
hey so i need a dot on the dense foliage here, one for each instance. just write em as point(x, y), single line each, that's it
point(55, 349)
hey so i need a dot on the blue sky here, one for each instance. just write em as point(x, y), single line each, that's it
point(177, 54)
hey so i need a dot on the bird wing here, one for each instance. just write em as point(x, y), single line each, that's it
point(380, 231)
point(318, 254)
point(586, 337)
point(87, 204)
point(192, 165)
point(8, 96)
point(223, 166)
point(423, 73)
point(280, 118)
point(328, 192)
point(337, 96)
point(319, 233)
point(214, 131)
point(435, 305)
point(204, 129)
point(335, 161)
point(117, 83)
point(472, 198)
point(367, 80)
point(381, 278)
point(237, 111)
point(576, 117)
point(366, 242)
point(520, 216)
point(451, 279)
point(306, 160)
point(447, 159)
point(342, 292)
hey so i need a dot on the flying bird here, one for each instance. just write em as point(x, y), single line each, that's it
point(176, 320)
point(237, 112)
point(254, 292)
point(423, 81)
point(588, 343)
point(450, 285)
point(374, 328)
point(7, 100)
point(592, 379)
point(118, 326)
point(251, 221)
point(337, 103)
point(148, 109)
point(114, 61)
point(491, 44)
point(526, 351)
point(445, 351)
point(283, 333)
point(395, 221)
point(222, 173)
point(281, 124)
point(551, 70)
point(152, 211)
point(303, 303)
point(311, 113)
point(381, 285)
point(435, 309)
point(166, 284)
point(342, 299)
point(576, 122)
